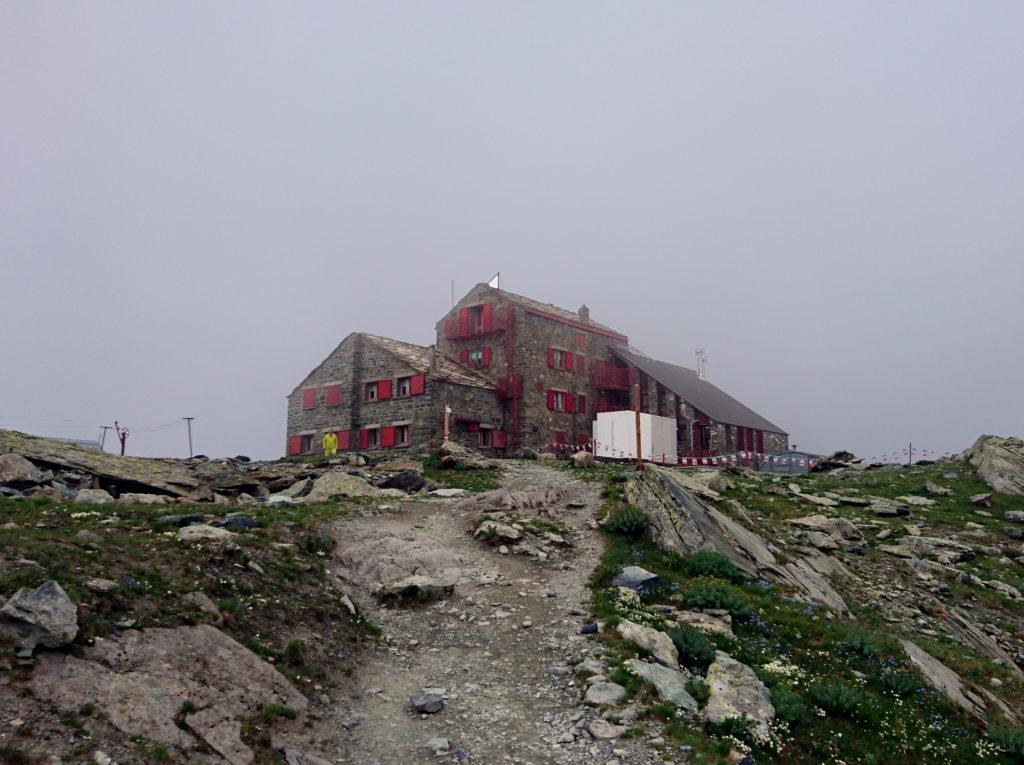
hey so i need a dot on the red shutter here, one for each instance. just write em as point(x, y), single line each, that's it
point(383, 389)
point(559, 437)
point(499, 439)
point(568, 402)
point(486, 318)
point(551, 399)
point(417, 385)
point(343, 440)
point(568, 360)
point(333, 395)
point(760, 442)
point(551, 357)
point(463, 357)
point(582, 439)
point(309, 398)
point(581, 404)
point(581, 364)
point(463, 322)
point(295, 445)
point(486, 360)
point(387, 436)
point(364, 439)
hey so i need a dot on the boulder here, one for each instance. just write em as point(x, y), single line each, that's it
point(735, 692)
point(300, 488)
point(41, 616)
point(417, 587)
point(711, 621)
point(427, 703)
point(658, 643)
point(583, 459)
point(943, 550)
point(945, 680)
point(910, 499)
point(982, 500)
point(1014, 516)
point(202, 533)
point(836, 528)
point(637, 579)
point(526, 453)
point(408, 481)
point(93, 497)
point(669, 684)
point(454, 455)
point(547, 457)
point(933, 488)
point(498, 533)
point(338, 484)
point(602, 730)
point(295, 756)
point(143, 499)
point(837, 461)
point(604, 694)
point(17, 472)
point(141, 678)
point(999, 462)
point(448, 493)
point(280, 500)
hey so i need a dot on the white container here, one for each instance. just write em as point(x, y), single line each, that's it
point(615, 436)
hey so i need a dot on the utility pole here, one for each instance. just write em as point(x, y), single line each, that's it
point(636, 407)
point(188, 424)
point(122, 433)
point(447, 411)
point(103, 435)
point(910, 453)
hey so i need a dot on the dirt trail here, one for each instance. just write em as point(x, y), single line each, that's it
point(500, 647)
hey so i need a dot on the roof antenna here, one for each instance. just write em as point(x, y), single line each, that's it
point(702, 364)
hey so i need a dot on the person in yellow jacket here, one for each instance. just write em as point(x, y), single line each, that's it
point(330, 443)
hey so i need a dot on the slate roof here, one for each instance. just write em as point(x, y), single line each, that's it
point(553, 310)
point(418, 357)
point(712, 401)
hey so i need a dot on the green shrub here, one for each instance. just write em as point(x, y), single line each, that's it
point(788, 706)
point(695, 650)
point(619, 478)
point(901, 682)
point(293, 653)
point(710, 564)
point(627, 521)
point(714, 593)
point(278, 710)
point(730, 727)
point(1011, 740)
point(699, 689)
point(837, 698)
point(860, 643)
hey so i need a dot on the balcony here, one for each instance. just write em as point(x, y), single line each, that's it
point(610, 377)
point(604, 405)
point(475, 326)
point(510, 386)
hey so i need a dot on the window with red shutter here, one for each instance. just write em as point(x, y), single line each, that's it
point(295, 445)
point(463, 357)
point(581, 364)
point(567, 360)
point(551, 357)
point(487, 320)
point(387, 436)
point(384, 389)
point(559, 437)
point(464, 322)
point(551, 399)
point(364, 438)
point(581, 340)
point(582, 439)
point(581, 404)
point(417, 385)
point(569, 401)
point(485, 357)
point(344, 440)
point(333, 397)
point(309, 398)
point(499, 439)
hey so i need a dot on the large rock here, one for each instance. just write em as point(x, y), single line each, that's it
point(658, 643)
point(43, 616)
point(417, 587)
point(944, 679)
point(141, 678)
point(637, 579)
point(837, 461)
point(408, 481)
point(735, 692)
point(454, 455)
point(338, 484)
point(496, 532)
point(202, 533)
point(999, 462)
point(604, 694)
point(836, 528)
point(583, 459)
point(669, 684)
point(143, 499)
point(93, 497)
point(18, 472)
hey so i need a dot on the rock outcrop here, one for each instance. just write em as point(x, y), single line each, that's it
point(999, 462)
point(41, 616)
point(736, 692)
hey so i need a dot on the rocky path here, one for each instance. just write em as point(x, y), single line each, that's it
point(499, 650)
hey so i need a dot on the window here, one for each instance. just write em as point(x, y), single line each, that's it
point(476, 357)
point(581, 340)
point(333, 395)
point(372, 438)
point(559, 359)
point(559, 405)
point(404, 386)
point(476, 319)
point(370, 392)
point(307, 443)
point(401, 435)
point(560, 401)
point(485, 437)
point(581, 404)
point(309, 398)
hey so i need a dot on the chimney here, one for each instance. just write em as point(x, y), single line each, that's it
point(584, 313)
point(434, 367)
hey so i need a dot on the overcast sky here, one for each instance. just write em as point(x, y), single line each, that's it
point(199, 200)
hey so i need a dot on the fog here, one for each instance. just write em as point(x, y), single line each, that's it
point(199, 200)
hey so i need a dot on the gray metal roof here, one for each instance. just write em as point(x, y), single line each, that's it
point(712, 401)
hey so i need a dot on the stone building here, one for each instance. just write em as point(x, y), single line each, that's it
point(378, 393)
point(516, 373)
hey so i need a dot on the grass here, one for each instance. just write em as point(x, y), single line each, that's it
point(843, 689)
point(486, 479)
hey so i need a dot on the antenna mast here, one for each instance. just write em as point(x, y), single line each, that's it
point(702, 364)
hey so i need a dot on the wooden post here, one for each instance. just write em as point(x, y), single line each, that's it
point(636, 407)
point(447, 411)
